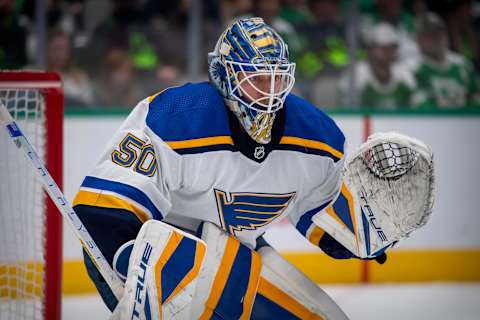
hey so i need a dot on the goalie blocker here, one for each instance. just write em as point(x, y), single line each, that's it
point(387, 194)
point(174, 275)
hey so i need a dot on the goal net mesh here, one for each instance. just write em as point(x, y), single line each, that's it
point(22, 211)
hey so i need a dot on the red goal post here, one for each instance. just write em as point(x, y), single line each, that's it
point(35, 100)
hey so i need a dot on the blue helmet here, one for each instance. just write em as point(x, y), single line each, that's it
point(250, 67)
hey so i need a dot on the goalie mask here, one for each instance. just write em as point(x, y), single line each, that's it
point(251, 69)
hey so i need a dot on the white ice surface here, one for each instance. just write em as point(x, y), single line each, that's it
point(370, 302)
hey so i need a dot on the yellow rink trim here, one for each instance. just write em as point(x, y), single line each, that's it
point(401, 266)
point(75, 279)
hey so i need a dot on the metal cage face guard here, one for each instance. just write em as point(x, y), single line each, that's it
point(268, 86)
point(276, 81)
point(250, 67)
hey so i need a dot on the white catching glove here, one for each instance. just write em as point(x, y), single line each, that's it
point(390, 178)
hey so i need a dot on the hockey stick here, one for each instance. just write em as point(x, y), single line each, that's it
point(21, 141)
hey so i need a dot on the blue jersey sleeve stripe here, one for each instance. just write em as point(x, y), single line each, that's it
point(125, 190)
point(306, 220)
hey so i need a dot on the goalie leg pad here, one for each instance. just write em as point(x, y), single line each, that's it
point(228, 280)
point(162, 274)
point(284, 292)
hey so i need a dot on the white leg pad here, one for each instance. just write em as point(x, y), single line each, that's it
point(162, 274)
point(228, 280)
point(289, 288)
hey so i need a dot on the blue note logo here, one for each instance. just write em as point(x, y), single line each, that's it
point(248, 211)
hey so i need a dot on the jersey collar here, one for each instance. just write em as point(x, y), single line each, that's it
point(250, 148)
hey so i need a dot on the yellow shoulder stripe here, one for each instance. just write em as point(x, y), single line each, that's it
point(108, 201)
point(201, 142)
point(311, 144)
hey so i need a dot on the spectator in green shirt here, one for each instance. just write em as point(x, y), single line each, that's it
point(381, 82)
point(445, 79)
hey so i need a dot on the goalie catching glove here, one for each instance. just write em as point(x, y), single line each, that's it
point(387, 194)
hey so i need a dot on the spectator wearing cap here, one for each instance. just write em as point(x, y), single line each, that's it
point(445, 79)
point(393, 13)
point(381, 82)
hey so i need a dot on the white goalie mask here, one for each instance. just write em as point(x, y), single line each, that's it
point(251, 69)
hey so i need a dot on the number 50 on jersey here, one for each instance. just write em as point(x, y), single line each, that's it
point(134, 153)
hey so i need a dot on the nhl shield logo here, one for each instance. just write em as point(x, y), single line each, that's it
point(259, 152)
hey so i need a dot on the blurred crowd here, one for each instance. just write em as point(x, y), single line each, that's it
point(383, 54)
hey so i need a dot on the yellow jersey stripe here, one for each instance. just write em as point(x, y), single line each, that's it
point(271, 292)
point(311, 144)
point(315, 236)
point(108, 201)
point(221, 277)
point(255, 269)
point(201, 142)
point(193, 273)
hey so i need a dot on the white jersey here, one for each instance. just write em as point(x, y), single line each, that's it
point(176, 158)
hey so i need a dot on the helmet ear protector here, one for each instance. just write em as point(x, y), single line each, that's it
point(217, 73)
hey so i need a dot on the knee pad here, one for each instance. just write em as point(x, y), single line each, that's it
point(163, 268)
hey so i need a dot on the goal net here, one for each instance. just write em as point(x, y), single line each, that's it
point(30, 226)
